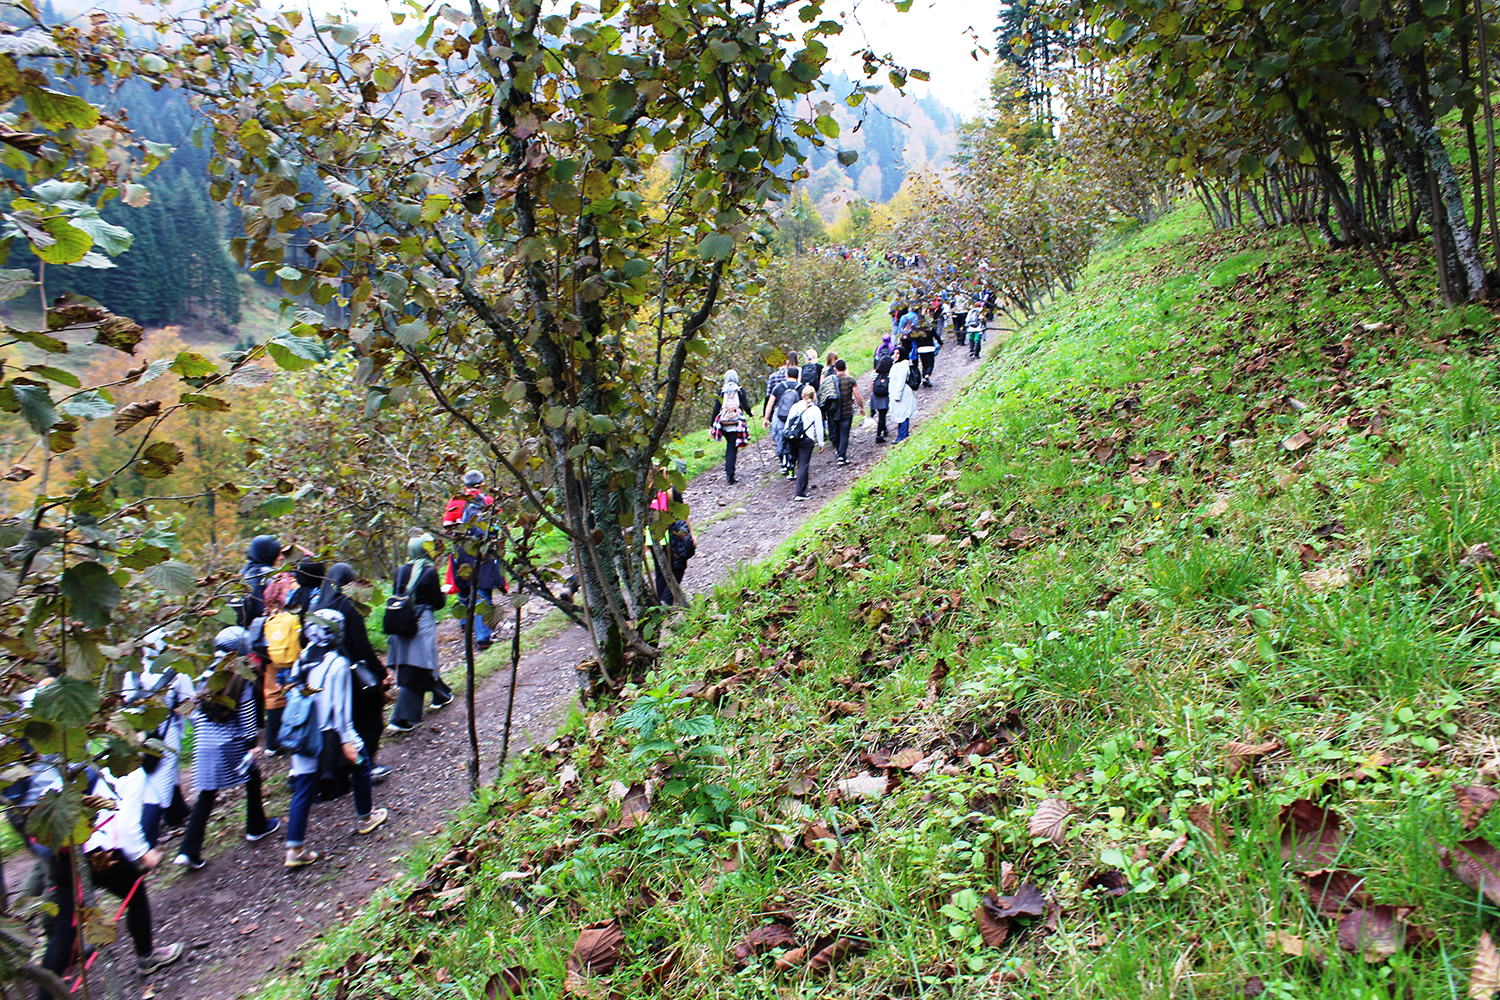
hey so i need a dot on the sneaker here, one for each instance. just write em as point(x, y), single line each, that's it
point(440, 703)
point(799, 497)
point(297, 857)
point(379, 772)
point(400, 727)
point(159, 959)
point(271, 828)
point(370, 822)
point(191, 864)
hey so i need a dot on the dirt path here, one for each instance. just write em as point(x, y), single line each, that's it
point(244, 916)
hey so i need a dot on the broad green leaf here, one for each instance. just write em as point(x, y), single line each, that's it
point(58, 819)
point(15, 282)
point(69, 242)
point(88, 406)
point(277, 506)
point(38, 339)
point(174, 578)
point(159, 459)
point(189, 364)
point(200, 401)
point(35, 404)
point(58, 110)
point(69, 702)
point(847, 157)
point(716, 246)
point(109, 238)
point(52, 191)
point(293, 353)
point(91, 593)
point(55, 375)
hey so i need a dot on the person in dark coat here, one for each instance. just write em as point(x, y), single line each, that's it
point(471, 517)
point(415, 657)
point(367, 705)
point(260, 563)
point(730, 421)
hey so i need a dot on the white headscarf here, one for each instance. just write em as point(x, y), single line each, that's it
point(731, 382)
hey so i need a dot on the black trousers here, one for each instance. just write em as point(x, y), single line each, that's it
point(117, 879)
point(804, 458)
point(412, 684)
point(664, 595)
point(255, 815)
point(845, 425)
point(731, 449)
point(880, 424)
point(927, 360)
point(367, 712)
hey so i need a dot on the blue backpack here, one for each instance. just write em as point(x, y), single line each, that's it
point(300, 732)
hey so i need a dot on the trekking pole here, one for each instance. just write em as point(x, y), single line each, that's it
point(510, 702)
point(469, 685)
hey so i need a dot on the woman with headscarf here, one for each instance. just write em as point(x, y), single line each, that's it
point(170, 690)
point(367, 701)
point(730, 421)
point(261, 558)
point(415, 656)
point(224, 747)
point(323, 669)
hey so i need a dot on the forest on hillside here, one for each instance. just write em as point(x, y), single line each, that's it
point(525, 239)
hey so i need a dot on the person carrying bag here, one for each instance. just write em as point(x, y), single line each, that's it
point(413, 650)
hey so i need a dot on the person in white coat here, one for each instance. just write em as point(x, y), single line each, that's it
point(903, 399)
point(170, 690)
point(809, 418)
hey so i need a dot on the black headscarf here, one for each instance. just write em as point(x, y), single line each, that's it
point(340, 575)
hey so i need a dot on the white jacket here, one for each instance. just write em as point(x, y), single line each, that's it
point(903, 396)
point(814, 421)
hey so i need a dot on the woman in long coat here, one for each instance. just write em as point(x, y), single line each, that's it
point(415, 657)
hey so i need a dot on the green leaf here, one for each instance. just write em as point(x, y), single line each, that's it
point(701, 725)
point(91, 593)
point(57, 110)
point(827, 125)
point(174, 578)
point(15, 282)
point(716, 246)
point(292, 353)
point(108, 237)
point(55, 375)
point(277, 506)
point(90, 405)
point(68, 702)
point(847, 157)
point(36, 338)
point(413, 333)
point(35, 405)
point(206, 403)
point(191, 365)
point(71, 243)
point(433, 207)
point(58, 820)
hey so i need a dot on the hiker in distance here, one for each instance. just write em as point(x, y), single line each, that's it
point(781, 396)
point(411, 633)
point(468, 517)
point(850, 403)
point(730, 421)
point(804, 431)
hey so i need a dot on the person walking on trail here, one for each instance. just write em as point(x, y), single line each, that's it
point(415, 656)
point(962, 305)
point(926, 345)
point(903, 398)
point(804, 431)
point(812, 371)
point(778, 405)
point(324, 670)
point(468, 516)
point(261, 557)
point(850, 404)
point(224, 748)
point(276, 640)
point(880, 390)
point(975, 333)
point(679, 546)
point(828, 397)
point(730, 421)
point(117, 858)
point(367, 689)
point(170, 690)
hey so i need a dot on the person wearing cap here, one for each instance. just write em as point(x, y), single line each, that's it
point(324, 670)
point(415, 657)
point(225, 735)
point(472, 509)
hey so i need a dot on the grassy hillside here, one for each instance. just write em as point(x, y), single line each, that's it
point(1190, 596)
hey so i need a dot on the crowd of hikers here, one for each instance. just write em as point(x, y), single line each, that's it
point(296, 676)
point(809, 404)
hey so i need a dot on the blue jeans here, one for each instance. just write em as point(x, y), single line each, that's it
point(304, 789)
point(482, 601)
point(903, 429)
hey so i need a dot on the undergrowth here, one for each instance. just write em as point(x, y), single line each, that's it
point(1190, 593)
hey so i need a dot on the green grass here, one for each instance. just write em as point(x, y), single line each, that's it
point(1139, 562)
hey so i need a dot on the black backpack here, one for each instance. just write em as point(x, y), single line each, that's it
point(913, 374)
point(788, 399)
point(681, 541)
point(881, 387)
point(796, 428)
point(883, 362)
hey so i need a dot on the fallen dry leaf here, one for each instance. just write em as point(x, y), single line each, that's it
point(657, 976)
point(1325, 578)
point(1288, 944)
point(1204, 818)
point(1334, 892)
point(994, 930)
point(825, 958)
point(1477, 866)
point(906, 759)
point(842, 709)
point(1026, 902)
point(1473, 802)
point(635, 807)
point(597, 949)
point(1108, 883)
point(1297, 441)
point(863, 786)
point(1475, 555)
point(1242, 756)
point(1378, 932)
point(936, 678)
point(1254, 987)
point(764, 939)
point(1173, 849)
point(791, 960)
point(1051, 820)
point(1484, 975)
point(507, 983)
point(1311, 835)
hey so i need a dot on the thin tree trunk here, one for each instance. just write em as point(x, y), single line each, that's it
point(510, 700)
point(469, 686)
point(1489, 127)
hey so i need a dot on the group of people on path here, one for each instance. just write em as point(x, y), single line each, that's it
point(297, 676)
point(809, 405)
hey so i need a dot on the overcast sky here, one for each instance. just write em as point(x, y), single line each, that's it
point(935, 35)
